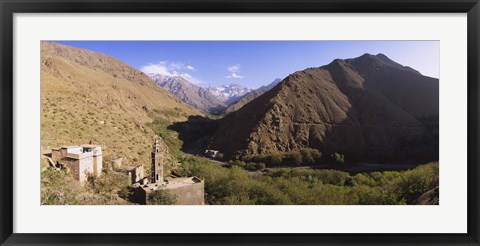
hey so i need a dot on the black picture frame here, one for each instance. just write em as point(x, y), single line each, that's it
point(10, 7)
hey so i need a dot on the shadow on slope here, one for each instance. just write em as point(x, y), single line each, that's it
point(195, 133)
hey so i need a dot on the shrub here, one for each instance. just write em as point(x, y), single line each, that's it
point(310, 156)
point(162, 197)
point(293, 158)
point(338, 158)
point(307, 186)
point(58, 187)
point(349, 181)
point(273, 160)
point(261, 166)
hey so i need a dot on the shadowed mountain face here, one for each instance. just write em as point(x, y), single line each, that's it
point(369, 108)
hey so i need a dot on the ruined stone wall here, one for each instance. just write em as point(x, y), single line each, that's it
point(97, 165)
point(85, 168)
point(138, 174)
point(72, 165)
point(193, 194)
point(56, 155)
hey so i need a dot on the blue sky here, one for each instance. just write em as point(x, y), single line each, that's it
point(256, 63)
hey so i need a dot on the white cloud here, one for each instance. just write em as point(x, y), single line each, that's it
point(190, 78)
point(235, 76)
point(233, 68)
point(234, 72)
point(160, 68)
point(177, 66)
point(171, 69)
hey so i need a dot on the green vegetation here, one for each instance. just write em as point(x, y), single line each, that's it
point(250, 166)
point(234, 185)
point(60, 188)
point(110, 183)
point(162, 197)
point(303, 157)
point(338, 158)
point(160, 127)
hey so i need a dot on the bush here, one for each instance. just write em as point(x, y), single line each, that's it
point(274, 160)
point(338, 158)
point(261, 166)
point(162, 197)
point(58, 187)
point(108, 183)
point(308, 186)
point(293, 158)
point(349, 181)
point(310, 156)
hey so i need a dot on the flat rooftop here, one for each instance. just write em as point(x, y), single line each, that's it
point(172, 183)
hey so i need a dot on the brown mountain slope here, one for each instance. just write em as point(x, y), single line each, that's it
point(365, 107)
point(87, 96)
point(250, 96)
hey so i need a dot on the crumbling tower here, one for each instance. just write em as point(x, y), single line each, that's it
point(157, 163)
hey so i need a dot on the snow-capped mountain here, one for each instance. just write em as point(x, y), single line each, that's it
point(248, 97)
point(229, 93)
point(195, 96)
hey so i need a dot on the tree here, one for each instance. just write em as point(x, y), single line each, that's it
point(310, 156)
point(261, 166)
point(293, 158)
point(349, 181)
point(339, 158)
point(274, 160)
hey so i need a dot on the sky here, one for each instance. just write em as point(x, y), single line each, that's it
point(256, 63)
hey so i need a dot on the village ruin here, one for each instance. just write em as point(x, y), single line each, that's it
point(187, 190)
point(82, 160)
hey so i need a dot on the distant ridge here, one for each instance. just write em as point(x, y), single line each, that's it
point(195, 96)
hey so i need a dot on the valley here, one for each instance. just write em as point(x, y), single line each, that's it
point(362, 130)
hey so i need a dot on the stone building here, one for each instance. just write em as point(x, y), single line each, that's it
point(83, 160)
point(187, 190)
point(136, 175)
point(157, 163)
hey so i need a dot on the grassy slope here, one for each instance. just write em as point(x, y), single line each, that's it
point(87, 96)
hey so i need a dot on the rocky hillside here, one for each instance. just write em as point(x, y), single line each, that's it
point(369, 107)
point(195, 96)
point(250, 96)
point(91, 97)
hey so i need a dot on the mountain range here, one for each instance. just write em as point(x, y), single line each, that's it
point(229, 93)
point(212, 100)
point(195, 96)
point(368, 107)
